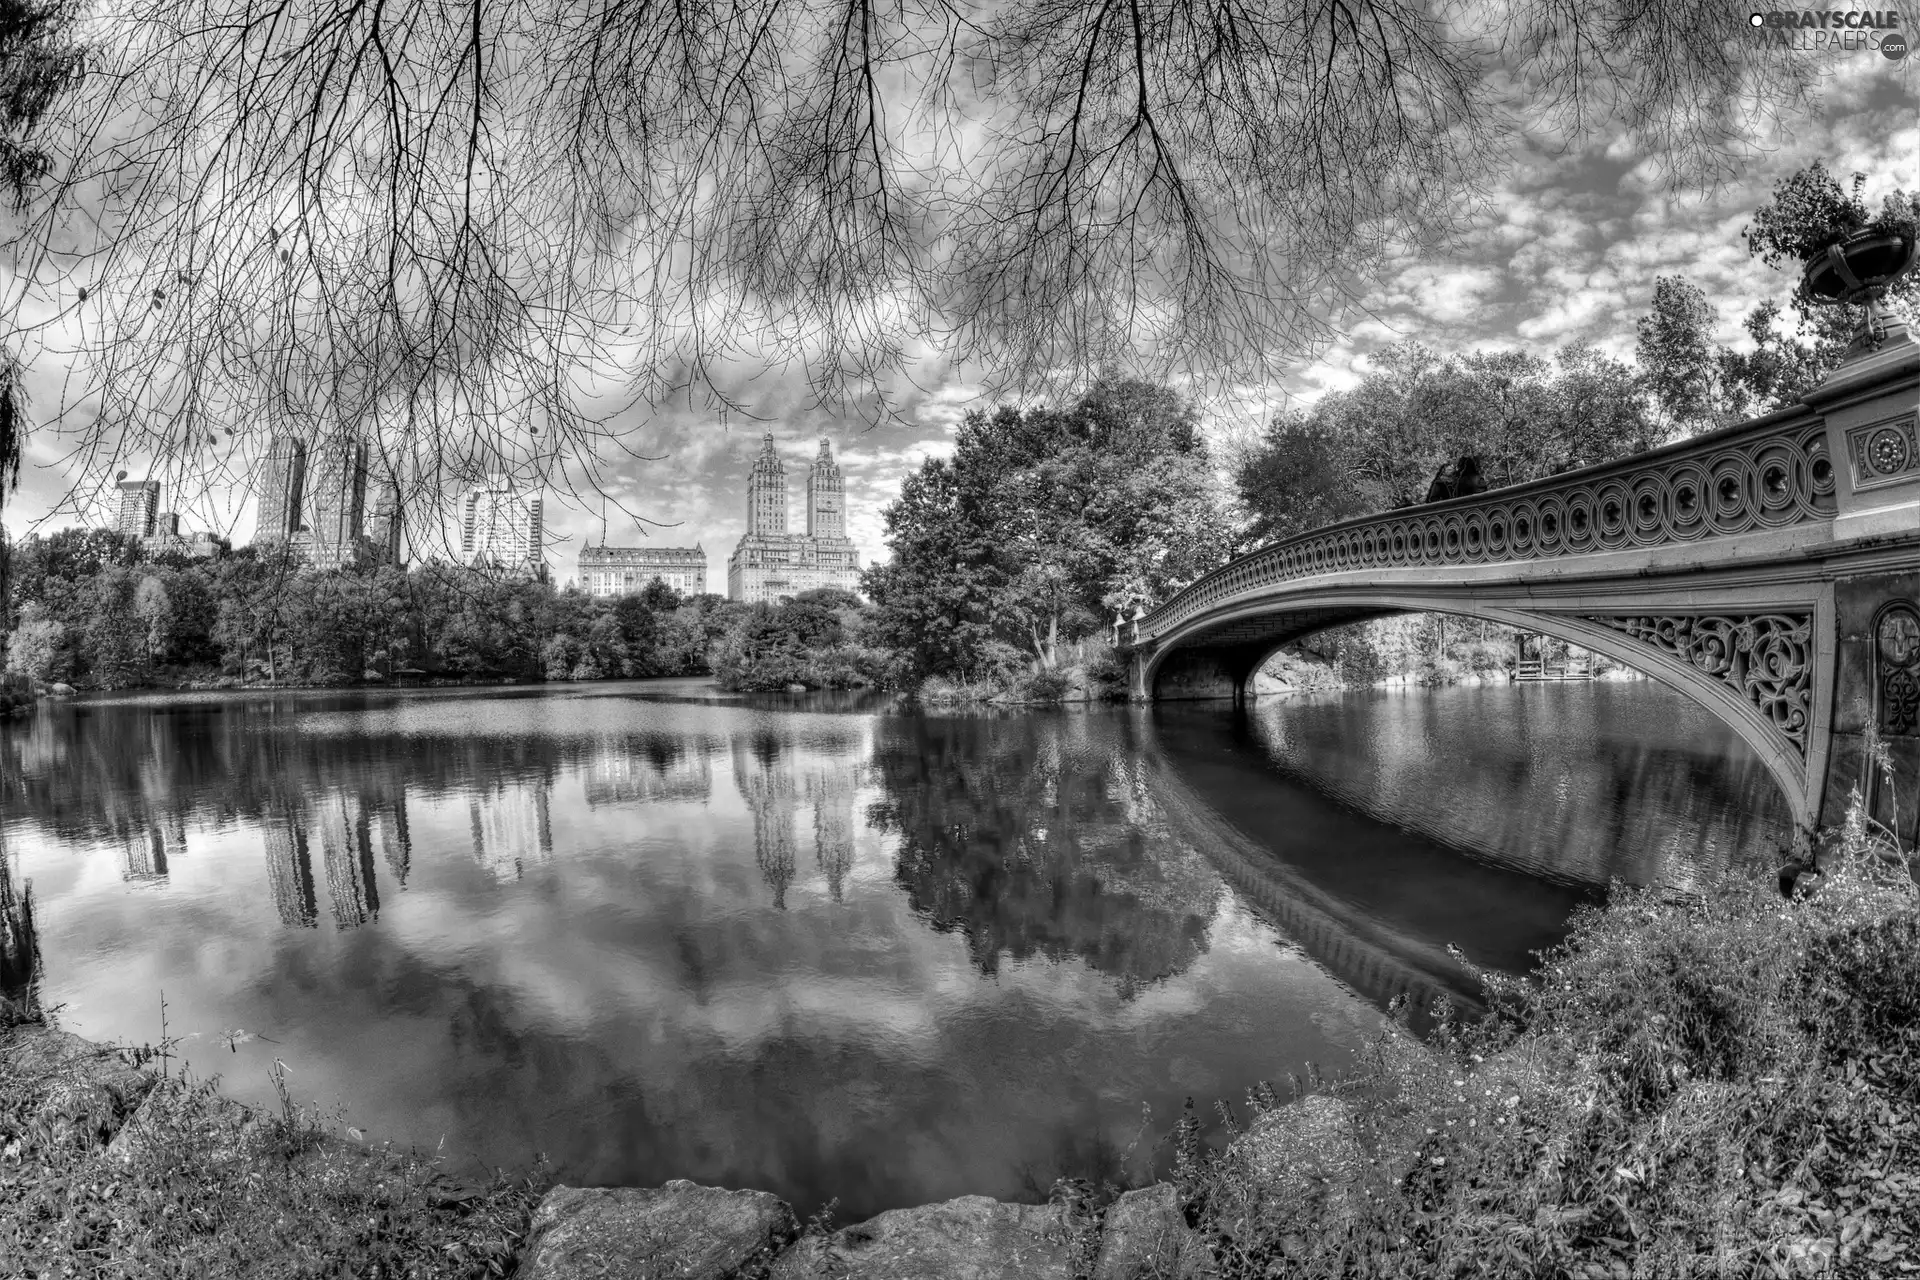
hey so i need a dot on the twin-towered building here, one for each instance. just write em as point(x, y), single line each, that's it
point(769, 562)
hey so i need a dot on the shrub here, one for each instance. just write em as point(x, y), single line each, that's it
point(1043, 684)
point(1725, 1084)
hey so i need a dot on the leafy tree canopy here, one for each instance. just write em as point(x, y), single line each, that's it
point(1378, 445)
point(1043, 525)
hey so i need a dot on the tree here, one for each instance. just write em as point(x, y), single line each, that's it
point(1676, 354)
point(1295, 479)
point(435, 225)
point(37, 62)
point(1042, 525)
point(113, 639)
point(154, 608)
point(38, 646)
point(1378, 445)
point(1780, 368)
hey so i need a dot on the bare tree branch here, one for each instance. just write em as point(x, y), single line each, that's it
point(446, 227)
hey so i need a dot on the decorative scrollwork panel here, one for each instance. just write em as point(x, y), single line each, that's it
point(1896, 660)
point(1766, 658)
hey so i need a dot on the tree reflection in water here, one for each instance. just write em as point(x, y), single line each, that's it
point(19, 945)
point(1018, 833)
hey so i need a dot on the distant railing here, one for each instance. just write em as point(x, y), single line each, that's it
point(1767, 473)
point(1528, 669)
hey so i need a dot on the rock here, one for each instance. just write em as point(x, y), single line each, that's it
point(796, 687)
point(81, 1083)
point(1146, 1237)
point(1296, 1163)
point(1266, 686)
point(223, 1129)
point(972, 1238)
point(60, 689)
point(682, 1230)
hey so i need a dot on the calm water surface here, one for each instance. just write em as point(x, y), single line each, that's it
point(814, 945)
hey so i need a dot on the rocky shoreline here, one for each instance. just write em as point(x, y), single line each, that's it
point(113, 1099)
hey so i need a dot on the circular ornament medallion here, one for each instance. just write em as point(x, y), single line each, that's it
point(1887, 451)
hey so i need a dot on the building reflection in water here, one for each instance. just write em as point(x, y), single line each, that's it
point(512, 826)
point(396, 842)
point(764, 775)
point(777, 781)
point(290, 870)
point(145, 854)
point(346, 836)
point(829, 790)
point(648, 770)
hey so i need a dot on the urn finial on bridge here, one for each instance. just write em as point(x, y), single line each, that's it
point(1871, 402)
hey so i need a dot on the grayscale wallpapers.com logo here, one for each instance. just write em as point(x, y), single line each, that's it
point(1833, 30)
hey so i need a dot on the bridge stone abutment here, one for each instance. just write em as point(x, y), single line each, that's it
point(1770, 571)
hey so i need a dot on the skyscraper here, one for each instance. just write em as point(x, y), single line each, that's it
point(384, 524)
point(337, 502)
point(282, 486)
point(139, 508)
point(769, 562)
point(501, 529)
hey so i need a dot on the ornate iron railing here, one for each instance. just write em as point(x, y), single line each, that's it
point(1768, 473)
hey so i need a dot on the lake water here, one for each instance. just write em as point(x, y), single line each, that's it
point(817, 945)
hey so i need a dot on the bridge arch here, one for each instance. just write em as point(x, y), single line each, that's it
point(1769, 570)
point(1755, 662)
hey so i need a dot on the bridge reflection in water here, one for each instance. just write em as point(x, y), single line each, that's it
point(1380, 830)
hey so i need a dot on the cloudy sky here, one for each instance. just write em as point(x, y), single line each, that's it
point(1568, 249)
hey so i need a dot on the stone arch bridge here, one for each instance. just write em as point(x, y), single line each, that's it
point(1770, 571)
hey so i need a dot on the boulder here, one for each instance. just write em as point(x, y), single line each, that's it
point(681, 1231)
point(222, 1129)
point(60, 689)
point(79, 1083)
point(1265, 686)
point(1146, 1237)
point(796, 687)
point(1295, 1164)
point(972, 1238)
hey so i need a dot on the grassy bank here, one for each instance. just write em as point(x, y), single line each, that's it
point(111, 1170)
point(1722, 1086)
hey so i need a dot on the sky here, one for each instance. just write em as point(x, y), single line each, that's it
point(1568, 249)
